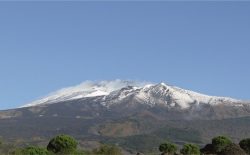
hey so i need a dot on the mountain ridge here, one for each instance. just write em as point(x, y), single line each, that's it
point(145, 91)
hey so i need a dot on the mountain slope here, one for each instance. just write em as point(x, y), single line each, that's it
point(127, 113)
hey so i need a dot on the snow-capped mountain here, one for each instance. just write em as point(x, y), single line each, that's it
point(85, 89)
point(118, 91)
point(115, 109)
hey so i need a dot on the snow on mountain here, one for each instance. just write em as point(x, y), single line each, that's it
point(171, 96)
point(143, 92)
point(175, 96)
point(85, 89)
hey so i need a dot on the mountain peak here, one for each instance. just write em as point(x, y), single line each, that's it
point(86, 89)
point(144, 92)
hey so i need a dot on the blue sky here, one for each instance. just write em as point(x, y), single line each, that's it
point(202, 46)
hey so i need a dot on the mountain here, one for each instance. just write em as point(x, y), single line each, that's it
point(128, 114)
point(120, 93)
point(85, 89)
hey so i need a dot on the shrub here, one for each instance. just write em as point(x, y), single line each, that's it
point(245, 145)
point(168, 148)
point(62, 144)
point(232, 149)
point(219, 143)
point(190, 149)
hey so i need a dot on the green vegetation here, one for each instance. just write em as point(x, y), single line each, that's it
point(245, 145)
point(190, 149)
point(168, 148)
point(59, 145)
point(222, 145)
point(67, 145)
point(232, 149)
point(62, 144)
point(219, 143)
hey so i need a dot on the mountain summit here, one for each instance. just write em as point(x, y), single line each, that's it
point(117, 91)
point(86, 89)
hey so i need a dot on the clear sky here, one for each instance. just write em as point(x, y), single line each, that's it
point(202, 46)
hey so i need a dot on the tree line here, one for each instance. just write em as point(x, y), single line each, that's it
point(67, 145)
point(62, 145)
point(221, 145)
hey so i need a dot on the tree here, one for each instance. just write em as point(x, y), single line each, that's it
point(190, 149)
point(107, 150)
point(219, 143)
point(232, 149)
point(168, 148)
point(245, 145)
point(62, 144)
